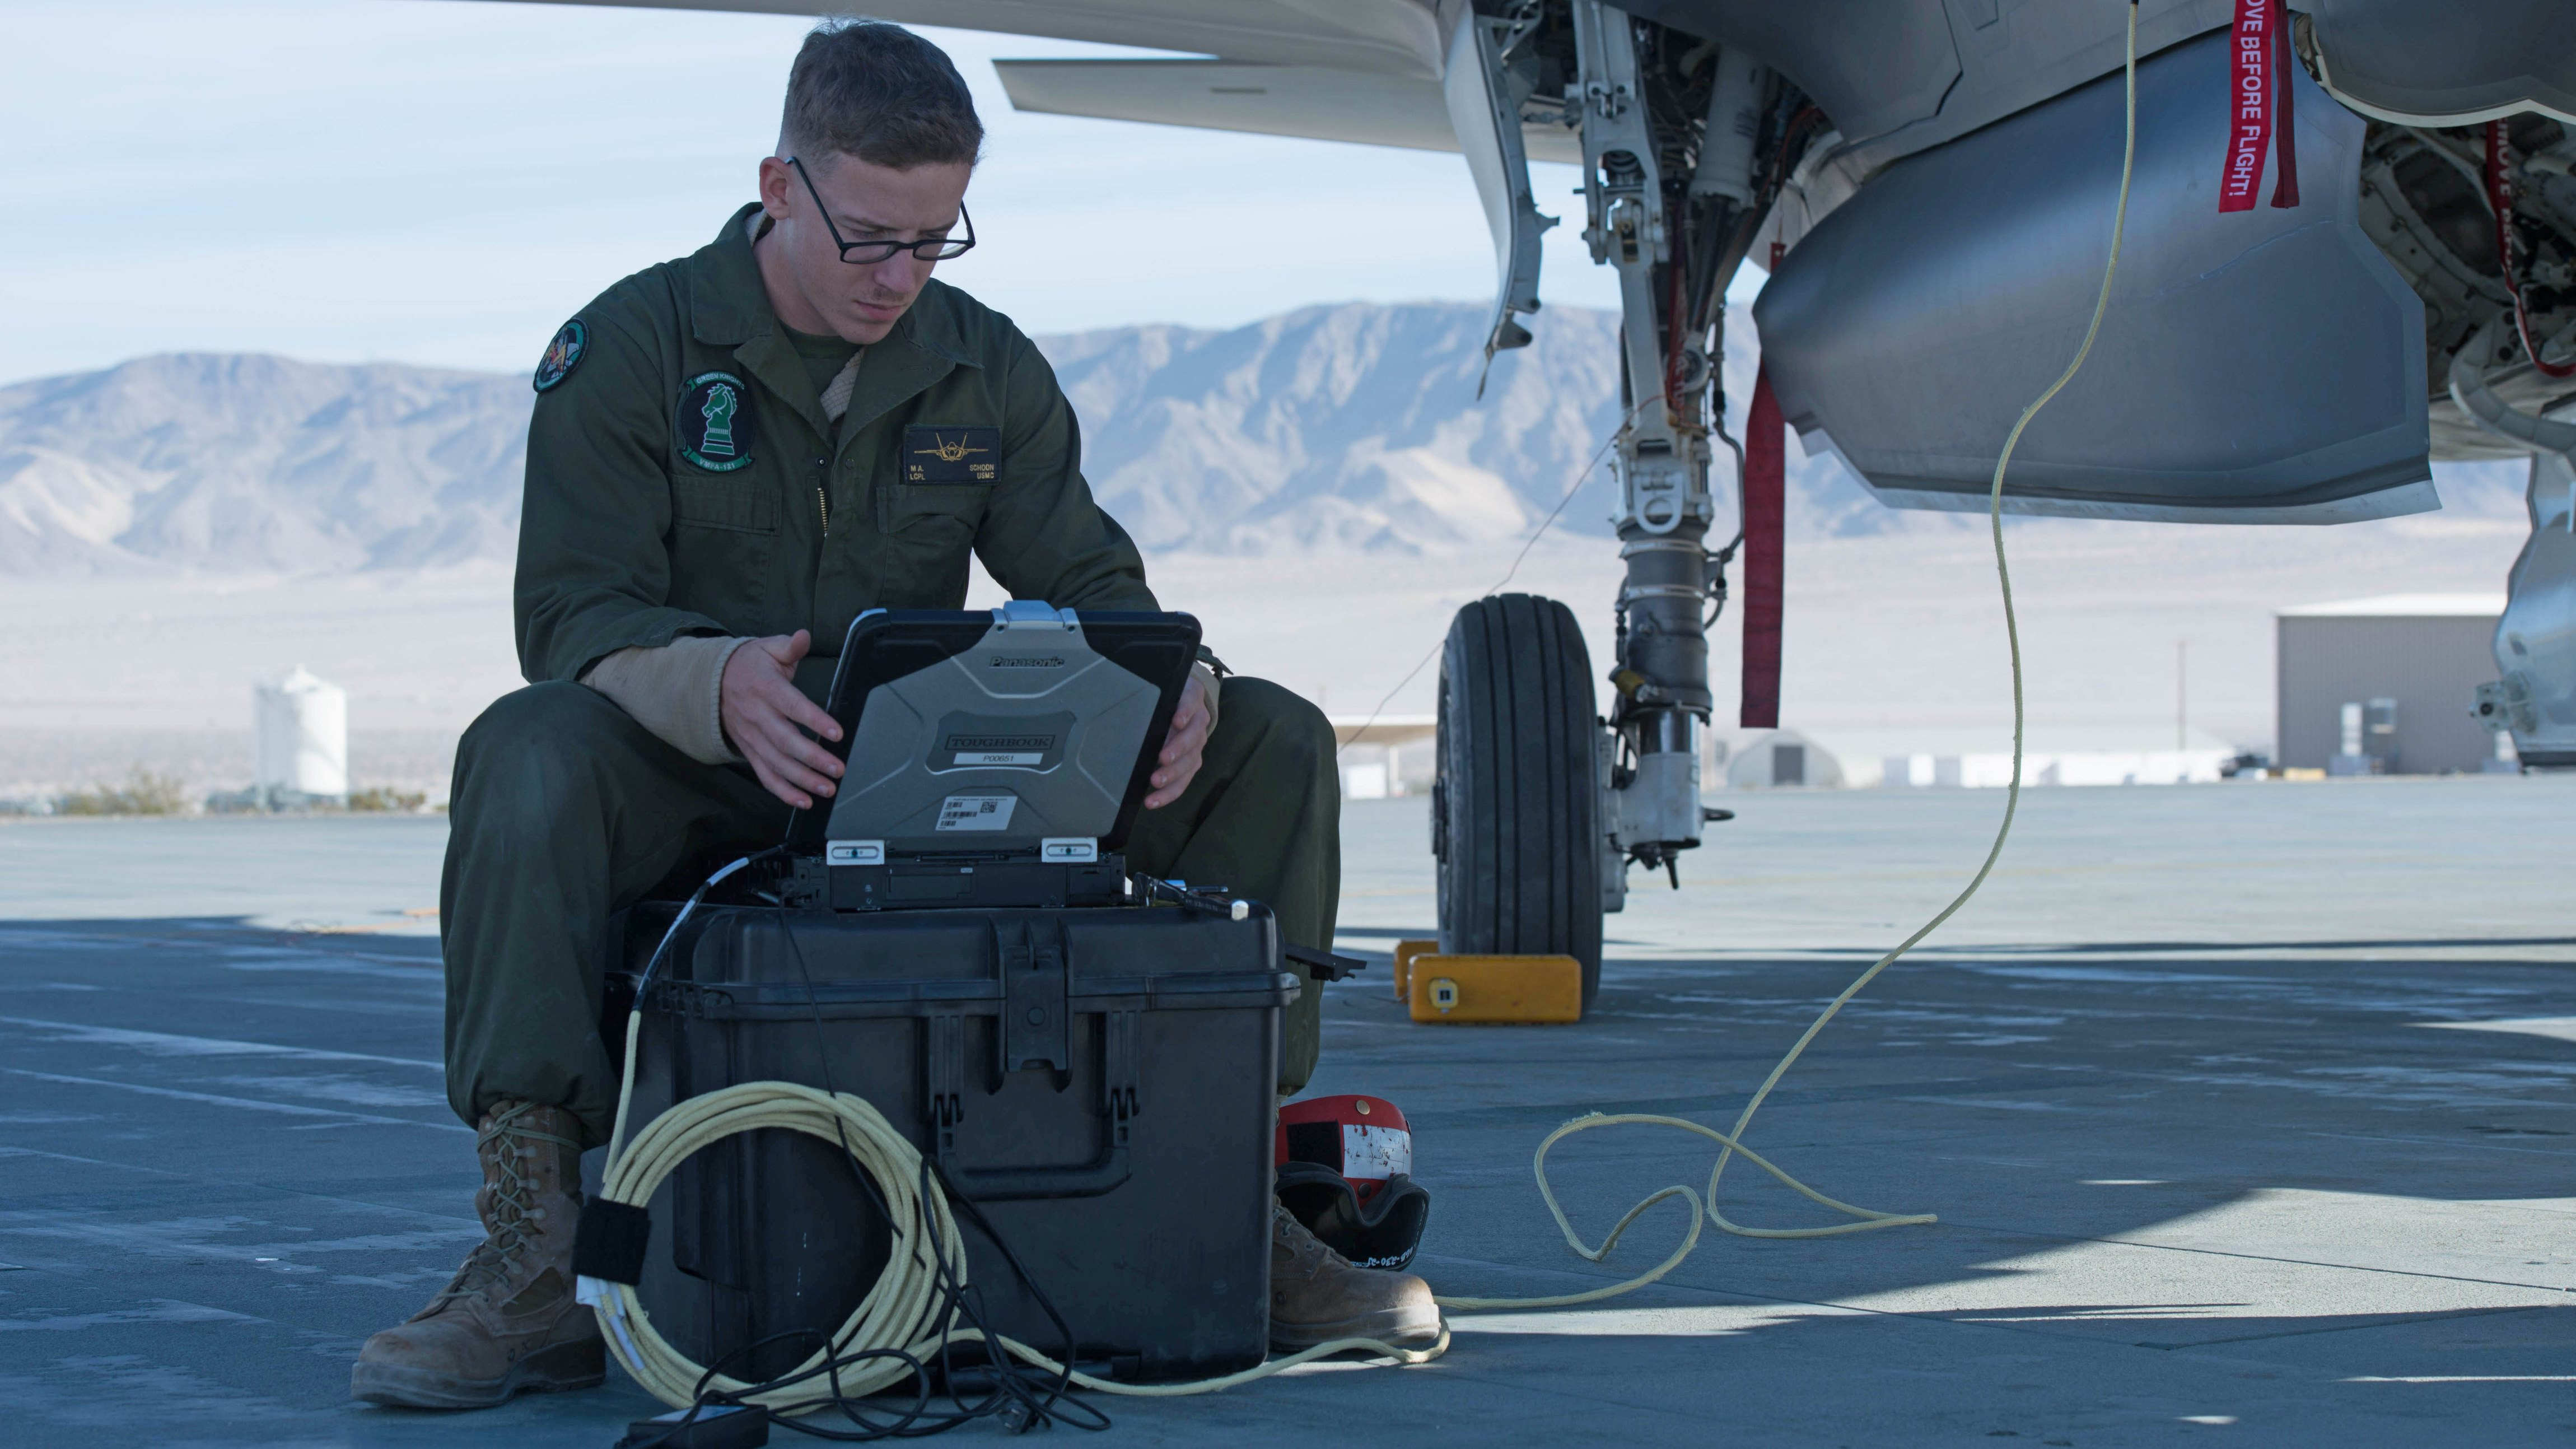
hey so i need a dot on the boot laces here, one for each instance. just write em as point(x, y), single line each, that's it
point(507, 1235)
point(1306, 1252)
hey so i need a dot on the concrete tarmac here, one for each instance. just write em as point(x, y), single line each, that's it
point(2244, 1109)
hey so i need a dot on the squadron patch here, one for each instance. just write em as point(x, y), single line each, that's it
point(952, 455)
point(714, 422)
point(562, 355)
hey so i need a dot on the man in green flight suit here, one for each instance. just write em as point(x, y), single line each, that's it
point(732, 456)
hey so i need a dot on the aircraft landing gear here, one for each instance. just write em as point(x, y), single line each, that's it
point(1541, 808)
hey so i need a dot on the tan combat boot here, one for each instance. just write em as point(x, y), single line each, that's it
point(507, 1323)
point(1316, 1295)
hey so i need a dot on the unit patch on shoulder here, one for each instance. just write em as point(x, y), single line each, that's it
point(714, 423)
point(562, 355)
point(952, 455)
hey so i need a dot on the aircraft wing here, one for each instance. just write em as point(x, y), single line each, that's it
point(1364, 71)
point(1318, 102)
point(1374, 37)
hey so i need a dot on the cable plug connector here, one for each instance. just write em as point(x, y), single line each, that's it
point(700, 1426)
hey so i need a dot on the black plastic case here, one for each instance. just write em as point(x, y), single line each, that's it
point(1100, 1081)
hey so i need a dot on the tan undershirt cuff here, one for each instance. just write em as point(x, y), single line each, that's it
point(675, 691)
point(1207, 681)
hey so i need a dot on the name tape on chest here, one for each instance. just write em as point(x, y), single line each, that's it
point(952, 455)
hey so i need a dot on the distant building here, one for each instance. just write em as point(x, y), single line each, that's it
point(1776, 760)
point(2384, 686)
point(1385, 755)
point(1992, 769)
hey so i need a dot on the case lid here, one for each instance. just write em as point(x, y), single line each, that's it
point(1023, 732)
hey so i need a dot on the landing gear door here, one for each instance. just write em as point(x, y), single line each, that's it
point(2535, 641)
point(1485, 95)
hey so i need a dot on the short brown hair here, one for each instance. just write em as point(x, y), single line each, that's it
point(874, 90)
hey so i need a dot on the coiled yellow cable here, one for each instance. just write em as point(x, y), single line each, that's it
point(903, 1309)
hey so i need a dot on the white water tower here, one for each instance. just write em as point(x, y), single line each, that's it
point(302, 729)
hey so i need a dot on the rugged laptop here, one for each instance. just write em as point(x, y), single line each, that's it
point(994, 758)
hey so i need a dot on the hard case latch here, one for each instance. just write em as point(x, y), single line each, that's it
point(1122, 1044)
point(943, 1062)
point(1034, 1028)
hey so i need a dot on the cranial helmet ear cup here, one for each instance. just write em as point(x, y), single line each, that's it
point(1383, 1233)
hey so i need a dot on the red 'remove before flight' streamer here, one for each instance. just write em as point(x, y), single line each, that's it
point(1765, 522)
point(2254, 86)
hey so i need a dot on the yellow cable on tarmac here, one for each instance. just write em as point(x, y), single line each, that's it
point(907, 1310)
point(1731, 1141)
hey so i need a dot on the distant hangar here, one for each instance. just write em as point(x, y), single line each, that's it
point(2387, 685)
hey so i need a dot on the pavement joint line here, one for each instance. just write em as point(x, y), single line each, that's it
point(122, 1036)
point(199, 1313)
point(342, 1118)
point(2170, 1081)
point(280, 1189)
point(2482, 1146)
point(2127, 867)
point(1544, 1387)
point(284, 941)
point(2253, 1257)
point(2458, 1381)
point(1955, 1316)
point(2383, 1321)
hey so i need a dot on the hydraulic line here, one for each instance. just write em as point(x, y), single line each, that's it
point(911, 1312)
point(2499, 186)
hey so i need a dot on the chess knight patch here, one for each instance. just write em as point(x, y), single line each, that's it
point(714, 422)
point(562, 355)
point(952, 455)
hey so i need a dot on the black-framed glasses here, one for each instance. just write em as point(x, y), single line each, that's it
point(869, 253)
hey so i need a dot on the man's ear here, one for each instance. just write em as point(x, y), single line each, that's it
point(775, 180)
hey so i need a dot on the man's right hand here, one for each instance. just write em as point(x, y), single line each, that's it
point(763, 709)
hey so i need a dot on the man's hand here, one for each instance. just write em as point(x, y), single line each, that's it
point(1182, 748)
point(762, 709)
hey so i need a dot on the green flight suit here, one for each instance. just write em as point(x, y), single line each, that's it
point(682, 481)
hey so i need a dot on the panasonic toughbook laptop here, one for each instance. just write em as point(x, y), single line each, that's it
point(993, 758)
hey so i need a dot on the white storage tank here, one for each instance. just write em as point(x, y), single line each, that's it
point(301, 726)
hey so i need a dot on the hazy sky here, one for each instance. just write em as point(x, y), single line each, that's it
point(443, 181)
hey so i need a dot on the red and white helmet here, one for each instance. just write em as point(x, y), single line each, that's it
point(1346, 1172)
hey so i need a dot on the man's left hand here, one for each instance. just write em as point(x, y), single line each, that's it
point(1183, 747)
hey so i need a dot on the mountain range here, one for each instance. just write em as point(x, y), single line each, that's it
point(1348, 427)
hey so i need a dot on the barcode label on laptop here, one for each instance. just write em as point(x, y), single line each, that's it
point(977, 812)
point(1001, 757)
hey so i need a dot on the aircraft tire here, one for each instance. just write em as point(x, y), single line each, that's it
point(1515, 810)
